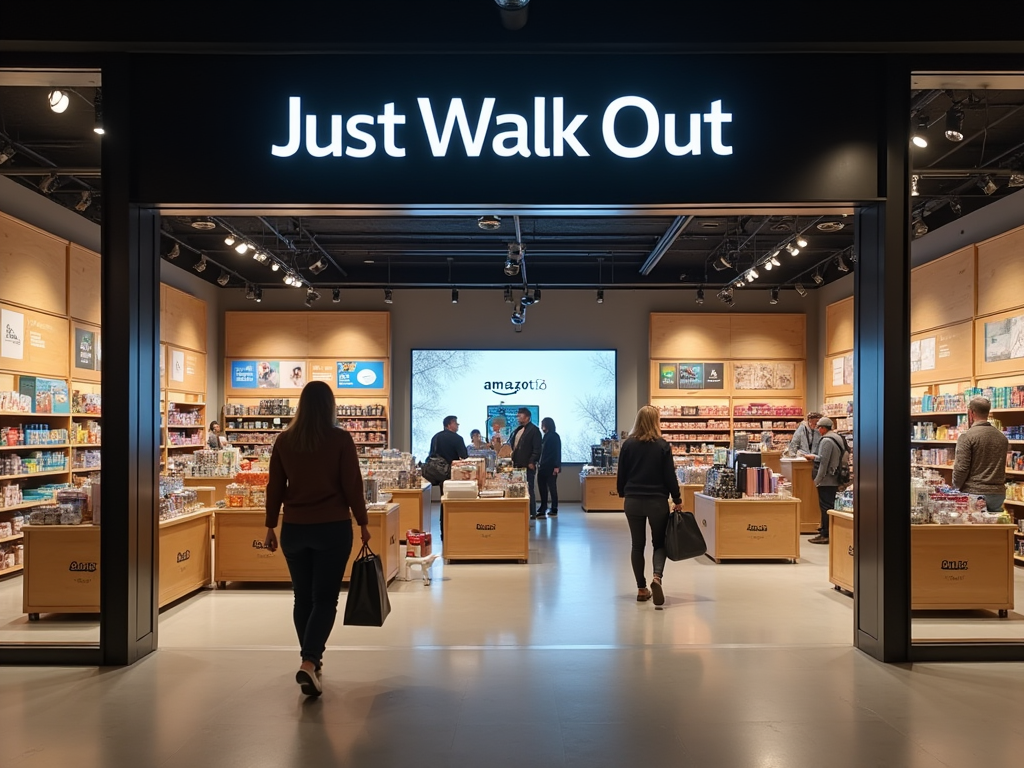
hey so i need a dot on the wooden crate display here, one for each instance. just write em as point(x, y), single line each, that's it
point(185, 555)
point(600, 494)
point(486, 529)
point(840, 550)
point(748, 529)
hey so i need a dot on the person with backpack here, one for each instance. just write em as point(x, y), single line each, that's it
point(449, 446)
point(829, 469)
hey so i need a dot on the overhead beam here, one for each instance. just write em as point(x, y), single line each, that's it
point(675, 229)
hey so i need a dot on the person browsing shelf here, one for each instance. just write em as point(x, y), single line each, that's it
point(806, 438)
point(979, 464)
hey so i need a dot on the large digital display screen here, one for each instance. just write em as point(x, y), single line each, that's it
point(485, 388)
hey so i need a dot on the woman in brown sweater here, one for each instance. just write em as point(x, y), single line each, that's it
point(314, 475)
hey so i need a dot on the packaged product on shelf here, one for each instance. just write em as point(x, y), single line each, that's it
point(6, 529)
point(236, 495)
point(15, 402)
point(462, 489)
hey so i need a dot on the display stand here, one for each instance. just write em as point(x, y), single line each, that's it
point(186, 563)
point(414, 508)
point(961, 567)
point(215, 486)
point(688, 491)
point(384, 532)
point(600, 494)
point(800, 472)
point(486, 529)
point(62, 569)
point(772, 460)
point(840, 550)
point(749, 529)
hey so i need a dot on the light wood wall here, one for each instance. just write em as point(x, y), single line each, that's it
point(685, 336)
point(303, 335)
point(84, 285)
point(182, 319)
point(33, 267)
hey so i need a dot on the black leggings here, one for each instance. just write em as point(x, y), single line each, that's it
point(640, 510)
point(547, 483)
point(317, 555)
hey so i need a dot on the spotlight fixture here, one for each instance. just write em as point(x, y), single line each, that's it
point(97, 105)
point(955, 207)
point(455, 295)
point(914, 191)
point(514, 259)
point(250, 291)
point(58, 100)
point(204, 225)
point(752, 275)
point(723, 263)
point(388, 296)
point(919, 138)
point(955, 124)
point(801, 241)
point(291, 279)
point(818, 279)
point(768, 266)
point(258, 294)
point(725, 296)
point(600, 295)
point(801, 291)
point(536, 295)
point(242, 248)
point(49, 184)
point(175, 252)
point(229, 240)
point(336, 296)
point(274, 267)
point(6, 153)
point(774, 260)
point(224, 278)
point(318, 266)
point(200, 266)
point(987, 185)
point(792, 250)
point(527, 300)
point(700, 296)
point(311, 296)
point(842, 266)
point(518, 316)
point(508, 294)
point(774, 296)
point(489, 223)
point(84, 201)
point(920, 230)
point(1016, 177)
point(260, 256)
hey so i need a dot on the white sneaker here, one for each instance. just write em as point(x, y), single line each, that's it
point(310, 683)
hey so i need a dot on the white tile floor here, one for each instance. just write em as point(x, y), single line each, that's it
point(550, 664)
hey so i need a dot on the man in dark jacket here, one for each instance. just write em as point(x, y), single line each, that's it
point(449, 446)
point(525, 442)
point(549, 467)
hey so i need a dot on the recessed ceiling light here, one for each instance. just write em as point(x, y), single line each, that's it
point(203, 225)
point(368, 261)
point(830, 226)
point(489, 223)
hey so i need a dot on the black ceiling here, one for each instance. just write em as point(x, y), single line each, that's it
point(583, 251)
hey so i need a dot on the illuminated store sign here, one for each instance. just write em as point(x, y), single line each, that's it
point(450, 128)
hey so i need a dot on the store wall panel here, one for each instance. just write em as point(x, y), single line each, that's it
point(942, 292)
point(773, 337)
point(999, 344)
point(349, 334)
point(752, 380)
point(182, 319)
point(185, 370)
point(33, 267)
point(658, 392)
point(1001, 273)
point(839, 327)
point(837, 385)
point(84, 286)
point(316, 369)
point(688, 337)
point(85, 347)
point(43, 343)
point(266, 334)
point(943, 354)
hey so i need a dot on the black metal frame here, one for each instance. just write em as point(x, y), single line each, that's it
point(128, 628)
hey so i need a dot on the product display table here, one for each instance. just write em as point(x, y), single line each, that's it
point(215, 486)
point(749, 529)
point(62, 569)
point(186, 558)
point(840, 550)
point(800, 473)
point(414, 508)
point(688, 491)
point(239, 554)
point(961, 567)
point(486, 529)
point(599, 494)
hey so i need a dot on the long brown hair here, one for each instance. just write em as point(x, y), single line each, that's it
point(314, 419)
point(647, 426)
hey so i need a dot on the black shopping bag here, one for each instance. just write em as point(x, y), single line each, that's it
point(683, 539)
point(367, 604)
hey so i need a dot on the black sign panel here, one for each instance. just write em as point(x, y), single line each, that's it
point(505, 129)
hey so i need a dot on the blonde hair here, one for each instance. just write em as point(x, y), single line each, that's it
point(647, 426)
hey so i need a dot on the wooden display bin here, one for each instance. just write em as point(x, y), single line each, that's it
point(186, 558)
point(688, 491)
point(749, 529)
point(215, 488)
point(62, 569)
point(599, 494)
point(840, 550)
point(772, 460)
point(961, 567)
point(414, 508)
point(384, 540)
point(800, 473)
point(486, 529)
point(238, 551)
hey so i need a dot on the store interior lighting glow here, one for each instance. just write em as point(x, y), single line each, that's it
point(242, 248)
point(919, 137)
point(914, 191)
point(58, 100)
point(774, 260)
point(229, 240)
point(258, 294)
point(274, 267)
point(955, 124)
point(801, 241)
point(260, 256)
point(97, 105)
point(768, 266)
point(388, 296)
point(792, 250)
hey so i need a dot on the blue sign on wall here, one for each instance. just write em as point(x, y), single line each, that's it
point(360, 374)
point(243, 374)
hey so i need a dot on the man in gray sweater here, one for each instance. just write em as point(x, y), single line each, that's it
point(979, 467)
point(831, 448)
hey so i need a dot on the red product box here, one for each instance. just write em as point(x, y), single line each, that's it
point(418, 543)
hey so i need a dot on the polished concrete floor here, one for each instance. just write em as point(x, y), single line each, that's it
point(550, 664)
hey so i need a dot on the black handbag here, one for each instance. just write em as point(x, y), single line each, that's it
point(367, 604)
point(683, 539)
point(436, 470)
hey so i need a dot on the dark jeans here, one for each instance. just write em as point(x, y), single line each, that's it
point(547, 482)
point(317, 555)
point(531, 475)
point(827, 501)
point(639, 511)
